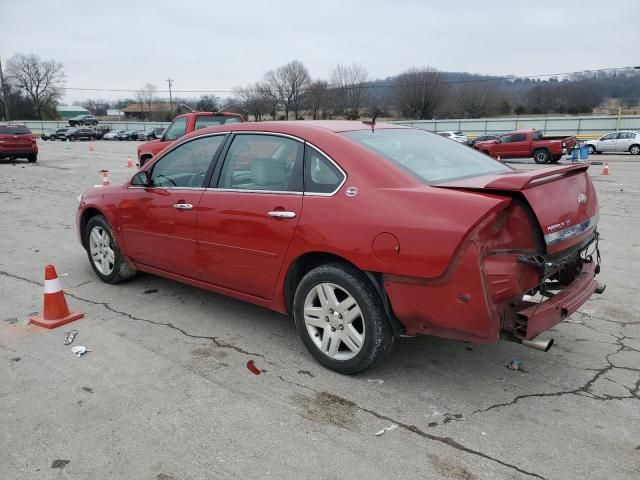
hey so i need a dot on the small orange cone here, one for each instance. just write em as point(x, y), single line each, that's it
point(129, 162)
point(55, 311)
point(105, 178)
point(605, 169)
point(91, 147)
point(499, 158)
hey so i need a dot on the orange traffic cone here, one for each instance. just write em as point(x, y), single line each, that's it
point(91, 147)
point(105, 178)
point(55, 311)
point(499, 158)
point(605, 169)
point(129, 162)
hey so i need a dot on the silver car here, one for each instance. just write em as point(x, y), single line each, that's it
point(625, 141)
point(457, 136)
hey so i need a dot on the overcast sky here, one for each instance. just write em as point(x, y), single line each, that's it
point(216, 45)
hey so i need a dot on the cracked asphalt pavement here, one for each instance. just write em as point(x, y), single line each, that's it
point(165, 392)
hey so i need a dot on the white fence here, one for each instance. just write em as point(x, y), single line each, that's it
point(582, 126)
point(37, 126)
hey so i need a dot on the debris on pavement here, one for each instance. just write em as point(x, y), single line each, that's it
point(379, 381)
point(514, 365)
point(570, 320)
point(79, 350)
point(251, 365)
point(386, 429)
point(69, 336)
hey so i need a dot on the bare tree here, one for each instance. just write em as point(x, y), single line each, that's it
point(145, 97)
point(317, 96)
point(254, 99)
point(41, 80)
point(477, 99)
point(288, 83)
point(420, 91)
point(349, 87)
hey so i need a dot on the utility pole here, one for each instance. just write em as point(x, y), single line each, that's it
point(4, 95)
point(170, 82)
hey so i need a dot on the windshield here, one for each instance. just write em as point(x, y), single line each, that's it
point(429, 157)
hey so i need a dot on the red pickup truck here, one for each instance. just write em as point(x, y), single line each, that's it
point(182, 125)
point(528, 144)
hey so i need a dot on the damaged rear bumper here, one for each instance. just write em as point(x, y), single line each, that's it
point(529, 319)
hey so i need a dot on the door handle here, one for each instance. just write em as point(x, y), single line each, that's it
point(183, 206)
point(281, 214)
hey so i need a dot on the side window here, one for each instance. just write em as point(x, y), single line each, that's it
point(262, 162)
point(506, 139)
point(186, 165)
point(626, 135)
point(537, 135)
point(176, 129)
point(611, 136)
point(518, 137)
point(320, 175)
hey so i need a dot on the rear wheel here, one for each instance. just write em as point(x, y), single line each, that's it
point(341, 319)
point(592, 149)
point(541, 156)
point(634, 149)
point(104, 253)
point(32, 158)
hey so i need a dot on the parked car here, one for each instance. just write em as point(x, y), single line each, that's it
point(83, 120)
point(182, 125)
point(113, 135)
point(17, 141)
point(359, 235)
point(457, 136)
point(48, 135)
point(154, 134)
point(625, 141)
point(529, 144)
point(74, 134)
point(482, 138)
point(101, 131)
point(141, 135)
point(61, 133)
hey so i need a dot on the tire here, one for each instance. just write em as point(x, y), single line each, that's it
point(33, 158)
point(106, 247)
point(541, 156)
point(634, 149)
point(369, 325)
point(555, 158)
point(592, 149)
point(94, 123)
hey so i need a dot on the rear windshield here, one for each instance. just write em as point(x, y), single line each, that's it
point(429, 157)
point(208, 121)
point(14, 130)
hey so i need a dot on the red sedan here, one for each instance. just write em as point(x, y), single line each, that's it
point(361, 233)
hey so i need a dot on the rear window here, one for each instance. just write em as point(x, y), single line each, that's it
point(208, 121)
point(429, 157)
point(14, 130)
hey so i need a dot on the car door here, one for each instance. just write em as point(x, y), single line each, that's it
point(501, 148)
point(159, 221)
point(624, 141)
point(249, 213)
point(608, 143)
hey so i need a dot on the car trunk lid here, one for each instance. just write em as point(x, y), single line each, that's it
point(563, 200)
point(15, 138)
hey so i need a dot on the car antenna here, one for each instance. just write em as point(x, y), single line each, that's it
point(372, 122)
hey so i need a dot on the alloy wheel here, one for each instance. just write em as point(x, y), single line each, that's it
point(102, 254)
point(334, 321)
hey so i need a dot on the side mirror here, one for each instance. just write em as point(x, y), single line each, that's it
point(141, 179)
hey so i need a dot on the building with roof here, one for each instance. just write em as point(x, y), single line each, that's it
point(70, 111)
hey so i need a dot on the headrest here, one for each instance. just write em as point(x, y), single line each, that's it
point(268, 171)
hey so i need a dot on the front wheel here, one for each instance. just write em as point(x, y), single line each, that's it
point(33, 158)
point(541, 156)
point(592, 149)
point(634, 149)
point(341, 319)
point(104, 253)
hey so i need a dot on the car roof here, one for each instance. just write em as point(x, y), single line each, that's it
point(297, 127)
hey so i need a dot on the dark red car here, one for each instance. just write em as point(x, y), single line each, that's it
point(528, 144)
point(361, 234)
point(17, 141)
